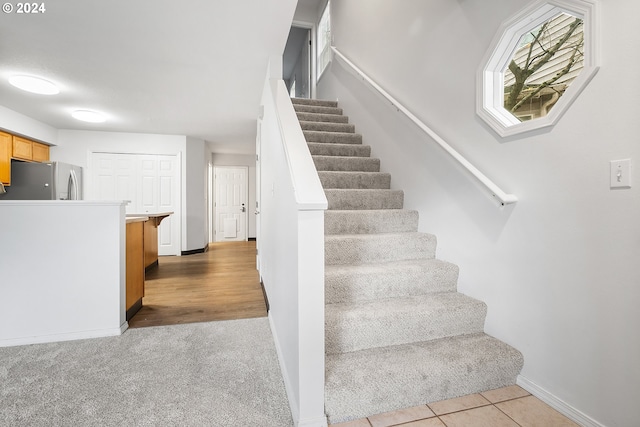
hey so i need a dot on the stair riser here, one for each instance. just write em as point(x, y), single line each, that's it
point(370, 221)
point(364, 199)
point(345, 150)
point(363, 383)
point(355, 180)
point(354, 327)
point(332, 137)
point(315, 117)
point(314, 102)
point(334, 163)
point(317, 109)
point(328, 127)
point(351, 284)
point(371, 248)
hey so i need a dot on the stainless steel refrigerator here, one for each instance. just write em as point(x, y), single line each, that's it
point(44, 181)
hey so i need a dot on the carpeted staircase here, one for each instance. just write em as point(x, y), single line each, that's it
point(398, 334)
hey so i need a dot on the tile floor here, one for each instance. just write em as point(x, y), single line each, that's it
point(505, 407)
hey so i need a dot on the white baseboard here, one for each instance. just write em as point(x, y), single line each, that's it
point(557, 404)
point(71, 336)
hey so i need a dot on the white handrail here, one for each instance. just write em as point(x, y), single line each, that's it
point(496, 192)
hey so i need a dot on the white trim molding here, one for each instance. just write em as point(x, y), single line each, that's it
point(556, 403)
point(490, 77)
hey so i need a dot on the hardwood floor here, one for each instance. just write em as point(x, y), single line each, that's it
point(221, 284)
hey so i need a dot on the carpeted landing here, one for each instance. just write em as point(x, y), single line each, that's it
point(199, 374)
point(398, 334)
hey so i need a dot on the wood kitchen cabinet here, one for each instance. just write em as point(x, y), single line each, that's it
point(22, 148)
point(135, 266)
point(25, 149)
point(5, 158)
point(40, 152)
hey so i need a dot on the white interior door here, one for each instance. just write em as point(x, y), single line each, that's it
point(151, 184)
point(230, 203)
point(114, 178)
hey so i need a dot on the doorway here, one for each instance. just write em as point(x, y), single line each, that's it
point(231, 203)
point(297, 61)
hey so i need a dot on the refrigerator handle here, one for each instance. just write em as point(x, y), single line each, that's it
point(72, 190)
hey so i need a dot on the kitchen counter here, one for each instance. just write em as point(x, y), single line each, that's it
point(150, 236)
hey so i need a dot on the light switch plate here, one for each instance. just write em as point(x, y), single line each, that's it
point(621, 173)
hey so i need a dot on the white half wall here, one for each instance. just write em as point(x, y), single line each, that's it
point(558, 270)
point(63, 271)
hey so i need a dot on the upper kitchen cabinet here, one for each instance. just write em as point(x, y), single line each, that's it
point(40, 152)
point(25, 149)
point(5, 158)
point(15, 147)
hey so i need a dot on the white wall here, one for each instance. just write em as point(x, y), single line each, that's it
point(58, 258)
point(559, 269)
point(248, 160)
point(196, 193)
point(20, 124)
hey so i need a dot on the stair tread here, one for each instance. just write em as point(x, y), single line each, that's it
point(414, 374)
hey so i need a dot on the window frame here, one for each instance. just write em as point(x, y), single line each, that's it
point(490, 84)
point(325, 51)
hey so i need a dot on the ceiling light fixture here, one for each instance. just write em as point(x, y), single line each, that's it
point(34, 85)
point(89, 116)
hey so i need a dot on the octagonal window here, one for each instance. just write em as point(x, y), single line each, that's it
point(539, 62)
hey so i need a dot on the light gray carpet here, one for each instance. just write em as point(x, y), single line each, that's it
point(200, 374)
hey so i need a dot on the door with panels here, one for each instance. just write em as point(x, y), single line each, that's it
point(230, 203)
point(149, 182)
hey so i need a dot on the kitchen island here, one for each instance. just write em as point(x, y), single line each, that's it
point(151, 236)
point(142, 255)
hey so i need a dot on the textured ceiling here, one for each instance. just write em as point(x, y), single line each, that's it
point(188, 68)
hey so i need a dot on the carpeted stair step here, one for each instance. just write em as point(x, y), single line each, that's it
point(396, 279)
point(332, 137)
point(357, 326)
point(328, 127)
point(376, 248)
point(348, 150)
point(363, 383)
point(317, 117)
point(364, 199)
point(314, 102)
point(370, 221)
point(355, 180)
point(319, 109)
point(343, 163)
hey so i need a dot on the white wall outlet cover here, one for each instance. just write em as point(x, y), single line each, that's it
point(620, 173)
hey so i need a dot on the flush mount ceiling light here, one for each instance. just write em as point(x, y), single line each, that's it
point(88, 116)
point(34, 85)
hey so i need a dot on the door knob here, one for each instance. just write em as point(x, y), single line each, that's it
point(243, 208)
